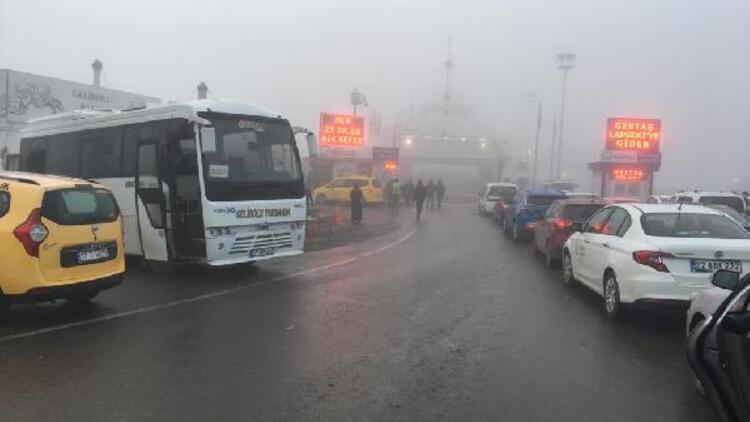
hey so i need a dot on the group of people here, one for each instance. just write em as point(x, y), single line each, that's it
point(422, 194)
point(430, 194)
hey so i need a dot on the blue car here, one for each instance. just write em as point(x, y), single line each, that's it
point(526, 209)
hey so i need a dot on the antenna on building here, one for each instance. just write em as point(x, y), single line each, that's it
point(97, 67)
point(202, 91)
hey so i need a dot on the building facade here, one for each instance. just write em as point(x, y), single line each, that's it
point(25, 96)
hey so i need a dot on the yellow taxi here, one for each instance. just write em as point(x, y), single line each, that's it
point(60, 238)
point(340, 188)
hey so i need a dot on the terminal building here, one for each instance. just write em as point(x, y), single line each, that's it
point(25, 96)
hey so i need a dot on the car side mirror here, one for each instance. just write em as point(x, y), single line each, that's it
point(576, 227)
point(726, 279)
point(312, 145)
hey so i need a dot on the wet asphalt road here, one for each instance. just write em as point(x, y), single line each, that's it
point(455, 322)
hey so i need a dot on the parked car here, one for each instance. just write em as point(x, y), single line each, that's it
point(494, 193)
point(59, 237)
point(653, 254)
point(553, 230)
point(581, 195)
point(731, 199)
point(340, 188)
point(526, 210)
point(658, 199)
point(718, 346)
point(743, 219)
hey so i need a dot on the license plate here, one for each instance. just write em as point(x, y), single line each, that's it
point(262, 252)
point(92, 255)
point(711, 265)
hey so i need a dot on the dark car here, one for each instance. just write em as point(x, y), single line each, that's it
point(554, 229)
point(718, 350)
point(526, 210)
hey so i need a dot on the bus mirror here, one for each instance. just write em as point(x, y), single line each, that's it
point(208, 139)
point(312, 145)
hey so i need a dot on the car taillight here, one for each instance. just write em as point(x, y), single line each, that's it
point(561, 223)
point(653, 259)
point(32, 232)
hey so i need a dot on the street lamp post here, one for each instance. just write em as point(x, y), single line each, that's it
point(565, 62)
point(357, 99)
point(536, 144)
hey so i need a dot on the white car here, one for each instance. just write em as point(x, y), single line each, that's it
point(653, 254)
point(730, 199)
point(494, 192)
point(659, 199)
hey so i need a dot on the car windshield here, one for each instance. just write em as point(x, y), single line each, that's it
point(579, 212)
point(736, 203)
point(80, 206)
point(255, 158)
point(541, 199)
point(505, 192)
point(692, 225)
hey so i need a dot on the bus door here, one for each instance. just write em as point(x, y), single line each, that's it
point(151, 203)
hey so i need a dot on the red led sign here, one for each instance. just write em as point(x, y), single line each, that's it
point(632, 134)
point(341, 130)
point(390, 165)
point(628, 174)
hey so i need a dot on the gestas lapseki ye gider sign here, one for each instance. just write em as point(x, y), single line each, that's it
point(633, 134)
point(342, 130)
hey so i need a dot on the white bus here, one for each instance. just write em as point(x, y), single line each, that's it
point(217, 182)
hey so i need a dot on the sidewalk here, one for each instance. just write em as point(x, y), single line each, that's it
point(330, 225)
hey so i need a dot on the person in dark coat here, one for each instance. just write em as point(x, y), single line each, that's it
point(430, 191)
point(420, 192)
point(357, 202)
point(440, 192)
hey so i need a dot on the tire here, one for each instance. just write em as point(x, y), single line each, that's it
point(514, 233)
point(549, 262)
point(81, 298)
point(611, 306)
point(568, 278)
point(4, 305)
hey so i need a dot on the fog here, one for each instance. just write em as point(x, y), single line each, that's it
point(684, 62)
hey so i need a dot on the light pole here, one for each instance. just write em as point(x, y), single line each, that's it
point(536, 144)
point(565, 62)
point(358, 98)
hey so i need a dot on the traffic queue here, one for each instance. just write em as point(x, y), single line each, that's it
point(690, 250)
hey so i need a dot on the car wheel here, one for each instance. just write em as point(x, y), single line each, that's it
point(3, 304)
point(514, 234)
point(568, 278)
point(81, 298)
point(611, 297)
point(549, 262)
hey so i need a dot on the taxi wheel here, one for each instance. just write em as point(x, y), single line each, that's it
point(81, 298)
point(3, 303)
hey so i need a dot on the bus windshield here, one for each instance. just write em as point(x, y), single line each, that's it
point(255, 158)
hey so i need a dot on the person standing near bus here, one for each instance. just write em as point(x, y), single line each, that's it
point(440, 191)
point(430, 192)
point(357, 201)
point(420, 192)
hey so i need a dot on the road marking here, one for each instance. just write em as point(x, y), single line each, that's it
point(206, 296)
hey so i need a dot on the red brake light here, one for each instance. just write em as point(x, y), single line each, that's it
point(653, 259)
point(32, 232)
point(561, 223)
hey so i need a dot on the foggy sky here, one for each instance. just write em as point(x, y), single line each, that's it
point(684, 61)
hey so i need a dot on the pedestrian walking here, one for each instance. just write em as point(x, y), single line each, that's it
point(430, 191)
point(440, 192)
point(396, 189)
point(408, 191)
point(420, 192)
point(357, 201)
